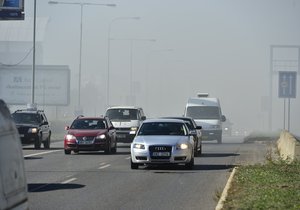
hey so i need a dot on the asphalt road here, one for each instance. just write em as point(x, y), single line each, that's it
point(99, 181)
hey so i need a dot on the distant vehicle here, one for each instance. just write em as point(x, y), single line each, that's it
point(33, 127)
point(126, 120)
point(90, 134)
point(162, 141)
point(13, 184)
point(207, 113)
point(195, 131)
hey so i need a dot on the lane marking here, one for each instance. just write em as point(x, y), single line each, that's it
point(41, 153)
point(105, 166)
point(128, 158)
point(68, 181)
point(101, 164)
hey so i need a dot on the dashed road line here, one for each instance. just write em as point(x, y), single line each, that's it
point(41, 153)
point(105, 166)
point(128, 158)
point(68, 181)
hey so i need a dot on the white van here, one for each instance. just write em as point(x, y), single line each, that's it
point(126, 120)
point(13, 185)
point(207, 113)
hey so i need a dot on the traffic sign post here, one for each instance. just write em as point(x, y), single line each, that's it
point(287, 89)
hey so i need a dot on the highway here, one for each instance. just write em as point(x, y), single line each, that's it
point(94, 180)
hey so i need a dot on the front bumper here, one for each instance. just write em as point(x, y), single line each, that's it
point(95, 146)
point(211, 134)
point(145, 156)
point(125, 136)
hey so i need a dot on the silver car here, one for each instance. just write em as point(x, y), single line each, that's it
point(162, 141)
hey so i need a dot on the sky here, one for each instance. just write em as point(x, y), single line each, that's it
point(173, 51)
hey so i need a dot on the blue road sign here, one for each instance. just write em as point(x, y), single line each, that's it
point(287, 84)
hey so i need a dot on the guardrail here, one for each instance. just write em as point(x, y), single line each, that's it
point(288, 146)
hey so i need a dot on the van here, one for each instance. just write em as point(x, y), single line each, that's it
point(206, 112)
point(13, 184)
point(126, 120)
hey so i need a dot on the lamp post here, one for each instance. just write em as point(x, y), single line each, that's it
point(81, 4)
point(108, 53)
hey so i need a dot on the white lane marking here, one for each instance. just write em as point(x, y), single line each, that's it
point(105, 166)
point(128, 158)
point(41, 153)
point(68, 181)
point(101, 164)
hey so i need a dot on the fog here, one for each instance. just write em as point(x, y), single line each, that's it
point(173, 51)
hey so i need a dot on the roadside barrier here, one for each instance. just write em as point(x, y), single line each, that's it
point(288, 146)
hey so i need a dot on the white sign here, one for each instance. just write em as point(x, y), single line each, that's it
point(52, 85)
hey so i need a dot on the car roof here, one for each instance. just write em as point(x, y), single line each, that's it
point(89, 118)
point(29, 111)
point(163, 120)
point(180, 118)
point(123, 107)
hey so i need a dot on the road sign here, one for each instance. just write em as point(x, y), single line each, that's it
point(287, 84)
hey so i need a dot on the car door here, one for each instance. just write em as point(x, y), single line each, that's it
point(111, 131)
point(44, 127)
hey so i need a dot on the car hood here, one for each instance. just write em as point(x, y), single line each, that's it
point(154, 140)
point(78, 132)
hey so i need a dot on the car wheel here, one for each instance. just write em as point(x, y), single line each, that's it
point(67, 152)
point(114, 150)
point(199, 151)
point(190, 165)
point(134, 165)
point(38, 142)
point(76, 151)
point(108, 149)
point(47, 143)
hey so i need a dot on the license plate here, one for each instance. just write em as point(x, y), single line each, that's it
point(161, 154)
point(121, 136)
point(85, 142)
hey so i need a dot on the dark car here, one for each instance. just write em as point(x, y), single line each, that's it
point(90, 134)
point(33, 127)
point(195, 131)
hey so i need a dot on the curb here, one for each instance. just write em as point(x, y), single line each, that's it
point(225, 191)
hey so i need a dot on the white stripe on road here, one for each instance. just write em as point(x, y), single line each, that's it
point(105, 166)
point(41, 153)
point(101, 164)
point(68, 181)
point(128, 158)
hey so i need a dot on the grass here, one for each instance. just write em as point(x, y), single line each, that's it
point(274, 185)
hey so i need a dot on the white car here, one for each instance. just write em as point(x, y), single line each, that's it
point(162, 141)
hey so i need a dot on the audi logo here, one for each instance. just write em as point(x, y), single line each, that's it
point(160, 148)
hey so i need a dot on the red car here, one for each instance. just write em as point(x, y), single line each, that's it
point(90, 134)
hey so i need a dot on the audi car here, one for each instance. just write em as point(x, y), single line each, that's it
point(90, 134)
point(162, 141)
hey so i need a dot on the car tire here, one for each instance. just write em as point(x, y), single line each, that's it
point(108, 149)
point(114, 150)
point(76, 151)
point(67, 152)
point(199, 153)
point(196, 149)
point(190, 165)
point(47, 143)
point(38, 142)
point(134, 165)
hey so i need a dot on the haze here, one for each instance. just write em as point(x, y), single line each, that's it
point(221, 47)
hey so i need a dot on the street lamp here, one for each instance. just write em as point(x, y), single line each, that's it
point(81, 4)
point(108, 53)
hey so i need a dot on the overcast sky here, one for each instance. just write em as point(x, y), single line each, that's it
point(217, 46)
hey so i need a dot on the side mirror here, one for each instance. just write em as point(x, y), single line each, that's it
point(67, 127)
point(111, 128)
point(223, 118)
point(143, 118)
point(193, 132)
point(199, 127)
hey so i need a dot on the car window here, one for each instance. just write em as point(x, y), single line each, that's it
point(26, 118)
point(88, 124)
point(122, 114)
point(163, 128)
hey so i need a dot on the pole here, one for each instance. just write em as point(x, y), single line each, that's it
point(284, 113)
point(271, 88)
point(289, 113)
point(33, 54)
point(80, 57)
point(131, 72)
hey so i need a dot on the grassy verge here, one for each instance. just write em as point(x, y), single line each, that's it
point(275, 185)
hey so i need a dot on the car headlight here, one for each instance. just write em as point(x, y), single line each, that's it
point(102, 136)
point(182, 146)
point(70, 137)
point(139, 146)
point(33, 130)
point(133, 130)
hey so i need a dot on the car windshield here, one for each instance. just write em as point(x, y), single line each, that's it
point(88, 124)
point(203, 112)
point(163, 128)
point(26, 118)
point(122, 114)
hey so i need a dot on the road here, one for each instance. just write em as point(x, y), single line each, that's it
point(99, 181)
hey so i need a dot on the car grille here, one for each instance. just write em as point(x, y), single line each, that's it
point(87, 138)
point(160, 149)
